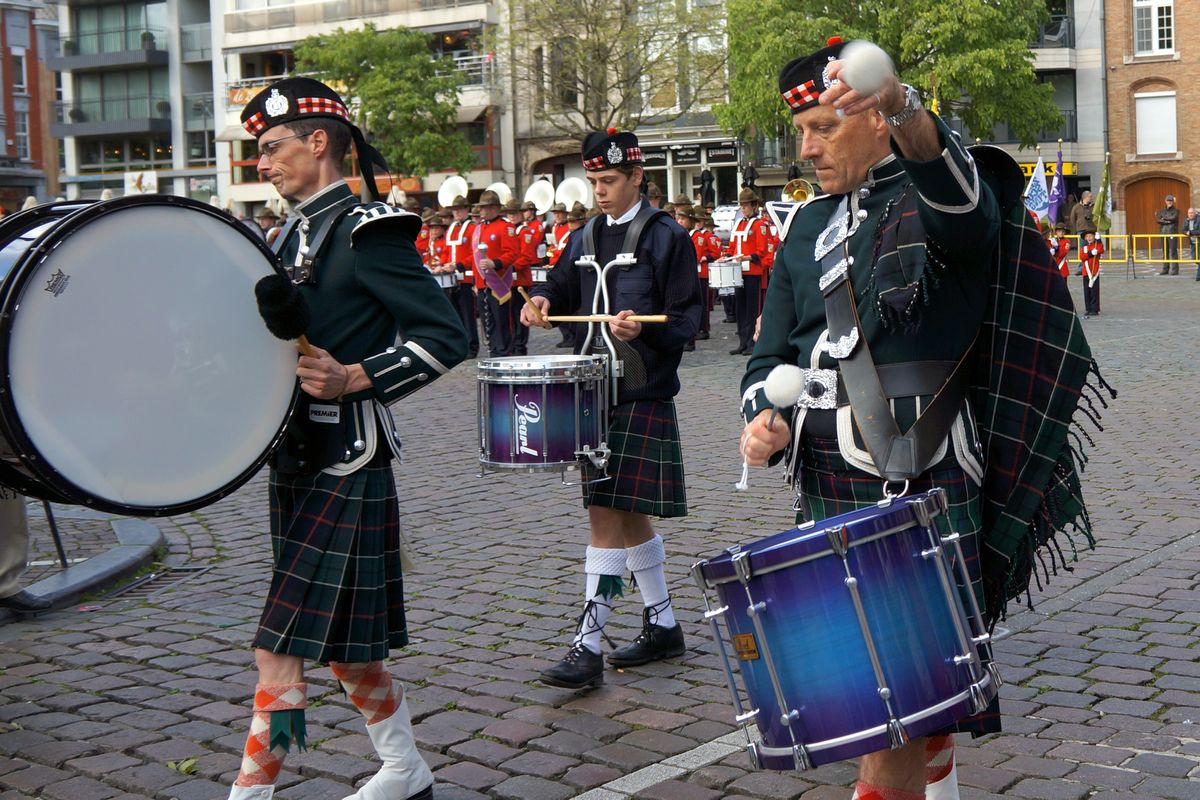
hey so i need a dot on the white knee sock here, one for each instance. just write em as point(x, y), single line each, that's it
point(646, 562)
point(600, 562)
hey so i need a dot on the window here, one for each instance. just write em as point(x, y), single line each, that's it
point(1153, 27)
point(16, 69)
point(202, 149)
point(564, 79)
point(123, 155)
point(1155, 120)
point(21, 133)
point(708, 70)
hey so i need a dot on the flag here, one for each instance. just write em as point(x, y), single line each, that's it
point(1058, 192)
point(1037, 199)
point(1104, 204)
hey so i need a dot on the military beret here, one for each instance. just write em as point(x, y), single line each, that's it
point(802, 80)
point(289, 100)
point(610, 148)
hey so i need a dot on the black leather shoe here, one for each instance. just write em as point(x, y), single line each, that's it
point(689, 347)
point(581, 668)
point(704, 334)
point(737, 351)
point(564, 344)
point(654, 643)
point(24, 602)
point(729, 319)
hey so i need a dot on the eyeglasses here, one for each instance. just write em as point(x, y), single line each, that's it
point(269, 149)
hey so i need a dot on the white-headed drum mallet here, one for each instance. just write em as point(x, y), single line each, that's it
point(866, 68)
point(783, 387)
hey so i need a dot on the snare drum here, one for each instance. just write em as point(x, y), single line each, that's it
point(851, 635)
point(543, 413)
point(725, 276)
point(446, 280)
point(140, 378)
point(540, 274)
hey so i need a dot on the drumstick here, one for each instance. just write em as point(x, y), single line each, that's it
point(644, 318)
point(537, 312)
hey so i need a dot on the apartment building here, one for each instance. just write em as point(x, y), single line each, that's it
point(1151, 96)
point(136, 106)
point(28, 153)
point(257, 38)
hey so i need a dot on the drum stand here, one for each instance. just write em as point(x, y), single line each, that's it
point(58, 545)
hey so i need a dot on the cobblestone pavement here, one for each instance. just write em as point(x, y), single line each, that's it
point(147, 695)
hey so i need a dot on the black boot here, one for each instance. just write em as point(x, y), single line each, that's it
point(654, 643)
point(581, 668)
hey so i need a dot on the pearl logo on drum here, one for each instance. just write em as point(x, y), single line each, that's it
point(523, 417)
point(57, 283)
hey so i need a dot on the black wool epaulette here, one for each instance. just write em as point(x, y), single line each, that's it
point(379, 214)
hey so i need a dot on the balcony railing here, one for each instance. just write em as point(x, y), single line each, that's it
point(198, 111)
point(115, 41)
point(770, 151)
point(1058, 32)
point(114, 109)
point(1003, 132)
point(255, 15)
point(476, 70)
point(197, 42)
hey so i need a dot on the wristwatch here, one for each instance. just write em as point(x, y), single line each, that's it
point(912, 104)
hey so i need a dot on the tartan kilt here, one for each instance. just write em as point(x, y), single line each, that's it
point(337, 591)
point(830, 486)
point(646, 466)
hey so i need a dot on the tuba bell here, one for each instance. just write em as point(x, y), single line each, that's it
point(453, 186)
point(798, 190)
point(541, 194)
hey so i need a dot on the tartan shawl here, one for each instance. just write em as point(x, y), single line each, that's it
point(1035, 383)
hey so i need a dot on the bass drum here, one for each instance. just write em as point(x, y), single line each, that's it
point(137, 376)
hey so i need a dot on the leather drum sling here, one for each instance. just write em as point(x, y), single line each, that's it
point(898, 456)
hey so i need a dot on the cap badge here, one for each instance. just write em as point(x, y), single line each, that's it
point(276, 105)
point(614, 154)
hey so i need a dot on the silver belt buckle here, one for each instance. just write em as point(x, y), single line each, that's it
point(820, 389)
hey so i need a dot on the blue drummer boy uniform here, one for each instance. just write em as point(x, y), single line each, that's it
point(646, 466)
point(336, 592)
point(887, 295)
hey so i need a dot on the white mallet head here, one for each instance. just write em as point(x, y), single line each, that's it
point(865, 67)
point(784, 385)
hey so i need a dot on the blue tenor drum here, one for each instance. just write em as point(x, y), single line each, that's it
point(850, 635)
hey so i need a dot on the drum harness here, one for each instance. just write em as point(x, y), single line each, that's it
point(899, 457)
point(630, 365)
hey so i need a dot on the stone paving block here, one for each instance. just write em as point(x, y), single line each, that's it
point(1161, 764)
point(1038, 767)
point(78, 788)
point(315, 789)
point(1039, 789)
point(539, 764)
point(780, 785)
point(513, 732)
point(622, 756)
point(34, 778)
point(665, 743)
point(1106, 777)
point(589, 776)
point(592, 726)
point(1168, 788)
point(470, 775)
point(527, 787)
point(991, 779)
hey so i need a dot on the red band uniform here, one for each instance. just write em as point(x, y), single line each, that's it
point(750, 243)
point(459, 235)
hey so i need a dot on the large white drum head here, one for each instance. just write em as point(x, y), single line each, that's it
point(139, 366)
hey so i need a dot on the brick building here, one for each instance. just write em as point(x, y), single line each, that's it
point(1152, 96)
point(28, 154)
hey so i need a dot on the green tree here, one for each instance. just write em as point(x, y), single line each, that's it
point(403, 98)
point(584, 65)
point(973, 54)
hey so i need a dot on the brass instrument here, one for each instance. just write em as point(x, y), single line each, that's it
point(798, 190)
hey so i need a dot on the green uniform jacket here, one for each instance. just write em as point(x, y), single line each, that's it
point(368, 283)
point(920, 296)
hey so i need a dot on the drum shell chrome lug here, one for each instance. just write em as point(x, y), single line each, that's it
point(979, 700)
point(741, 565)
point(698, 575)
point(801, 757)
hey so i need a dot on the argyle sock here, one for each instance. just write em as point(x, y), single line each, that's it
point(867, 791)
point(939, 755)
point(646, 562)
point(369, 687)
point(604, 568)
point(278, 720)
